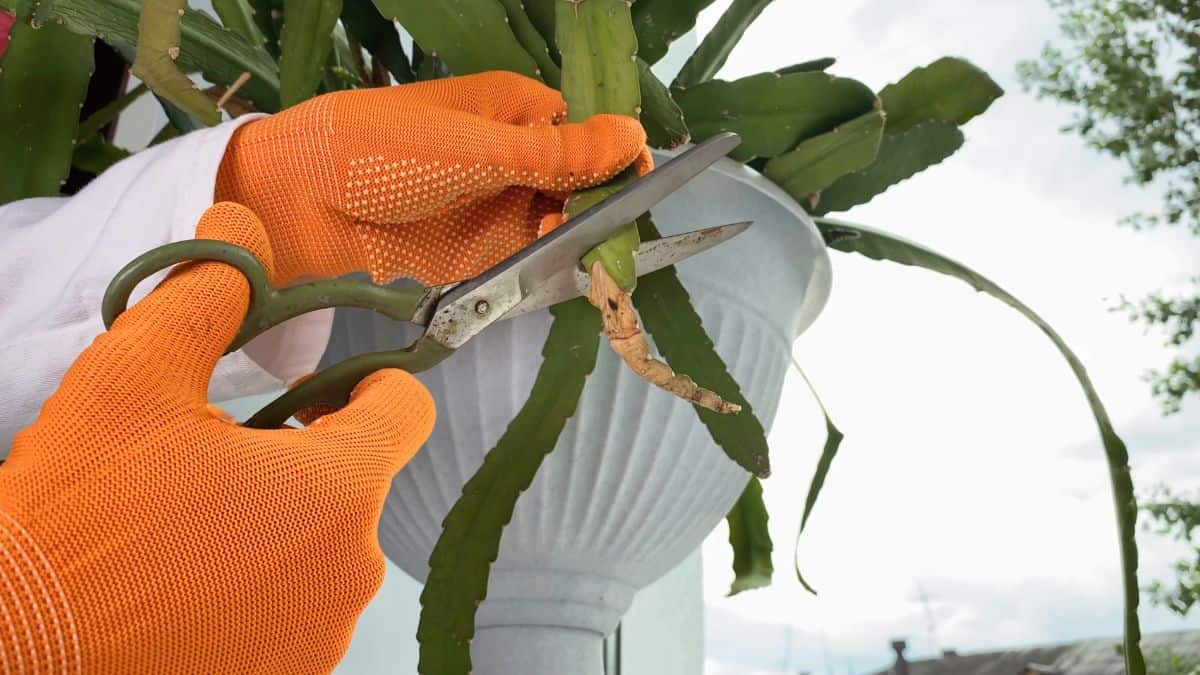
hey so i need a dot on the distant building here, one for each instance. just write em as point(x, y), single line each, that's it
point(1091, 657)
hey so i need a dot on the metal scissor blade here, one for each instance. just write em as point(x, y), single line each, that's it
point(532, 266)
point(651, 256)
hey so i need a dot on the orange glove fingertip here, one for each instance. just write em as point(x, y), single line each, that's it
point(237, 224)
point(550, 223)
point(389, 407)
point(644, 163)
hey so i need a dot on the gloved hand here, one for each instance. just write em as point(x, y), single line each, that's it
point(141, 532)
point(436, 180)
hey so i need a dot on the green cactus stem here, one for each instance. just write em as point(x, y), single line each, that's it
point(719, 42)
point(43, 79)
point(819, 161)
point(600, 75)
point(533, 42)
point(661, 116)
point(304, 46)
point(949, 89)
point(470, 36)
point(378, 36)
point(773, 113)
point(599, 48)
point(240, 17)
point(661, 22)
point(158, 47)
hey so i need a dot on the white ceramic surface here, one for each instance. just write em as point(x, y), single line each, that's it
point(635, 483)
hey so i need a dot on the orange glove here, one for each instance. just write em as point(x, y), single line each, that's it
point(436, 180)
point(144, 533)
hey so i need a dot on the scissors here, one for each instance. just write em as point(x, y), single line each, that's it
point(544, 273)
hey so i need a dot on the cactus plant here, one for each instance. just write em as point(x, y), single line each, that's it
point(660, 22)
point(772, 112)
point(533, 41)
point(951, 90)
point(598, 48)
point(830, 141)
point(708, 58)
point(304, 44)
point(469, 35)
point(816, 162)
point(378, 37)
point(43, 79)
point(661, 116)
point(240, 17)
point(899, 157)
point(207, 47)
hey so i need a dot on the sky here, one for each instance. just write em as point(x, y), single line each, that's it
point(969, 506)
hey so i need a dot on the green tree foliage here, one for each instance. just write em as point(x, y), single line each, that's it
point(1131, 71)
point(1178, 517)
point(1168, 662)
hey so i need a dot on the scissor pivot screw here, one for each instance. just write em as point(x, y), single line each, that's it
point(482, 308)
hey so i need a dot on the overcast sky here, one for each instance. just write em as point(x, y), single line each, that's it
point(972, 473)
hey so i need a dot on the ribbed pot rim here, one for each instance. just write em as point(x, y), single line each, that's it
point(817, 294)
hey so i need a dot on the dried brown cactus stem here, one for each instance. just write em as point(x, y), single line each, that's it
point(224, 98)
point(628, 341)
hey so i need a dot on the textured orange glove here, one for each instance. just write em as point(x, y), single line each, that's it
point(140, 532)
point(436, 180)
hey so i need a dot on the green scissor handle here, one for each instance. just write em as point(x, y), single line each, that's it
point(333, 385)
point(270, 307)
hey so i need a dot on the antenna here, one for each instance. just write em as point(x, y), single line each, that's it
point(930, 622)
point(787, 647)
point(825, 653)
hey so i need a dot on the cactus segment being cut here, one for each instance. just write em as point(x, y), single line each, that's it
point(600, 75)
point(599, 48)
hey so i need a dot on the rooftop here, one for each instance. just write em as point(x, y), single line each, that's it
point(1090, 657)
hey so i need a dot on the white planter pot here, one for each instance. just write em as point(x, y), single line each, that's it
point(635, 483)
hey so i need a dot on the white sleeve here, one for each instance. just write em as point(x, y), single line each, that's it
point(58, 254)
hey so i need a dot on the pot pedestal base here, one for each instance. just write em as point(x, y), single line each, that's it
point(537, 650)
